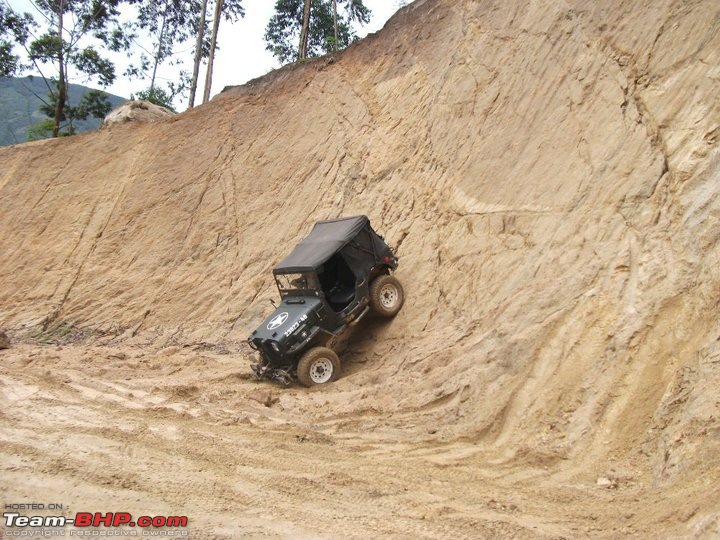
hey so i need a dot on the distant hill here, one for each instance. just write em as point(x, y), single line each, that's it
point(19, 105)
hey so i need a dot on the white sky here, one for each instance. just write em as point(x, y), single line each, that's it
point(242, 55)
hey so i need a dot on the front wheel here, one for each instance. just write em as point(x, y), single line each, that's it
point(319, 365)
point(386, 296)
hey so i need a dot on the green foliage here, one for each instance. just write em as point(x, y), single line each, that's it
point(89, 60)
point(76, 33)
point(8, 61)
point(42, 130)
point(14, 29)
point(93, 103)
point(177, 16)
point(357, 11)
point(172, 23)
point(20, 101)
point(169, 22)
point(233, 10)
point(45, 48)
point(156, 95)
point(283, 31)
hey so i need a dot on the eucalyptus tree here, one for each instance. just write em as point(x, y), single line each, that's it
point(14, 30)
point(206, 46)
point(169, 23)
point(74, 39)
point(231, 10)
point(199, 43)
point(301, 29)
point(305, 30)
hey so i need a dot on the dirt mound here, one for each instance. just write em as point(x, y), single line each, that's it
point(548, 174)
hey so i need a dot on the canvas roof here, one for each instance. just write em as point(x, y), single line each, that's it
point(325, 239)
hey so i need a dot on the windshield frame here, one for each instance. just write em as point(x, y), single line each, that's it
point(297, 283)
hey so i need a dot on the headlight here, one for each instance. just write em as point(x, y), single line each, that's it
point(275, 347)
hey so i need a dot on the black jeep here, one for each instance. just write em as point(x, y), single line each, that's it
point(330, 281)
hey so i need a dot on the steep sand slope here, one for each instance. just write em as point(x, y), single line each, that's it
point(549, 174)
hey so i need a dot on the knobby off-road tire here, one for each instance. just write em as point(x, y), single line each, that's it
point(319, 365)
point(386, 296)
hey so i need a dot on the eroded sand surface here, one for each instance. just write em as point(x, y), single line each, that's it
point(185, 432)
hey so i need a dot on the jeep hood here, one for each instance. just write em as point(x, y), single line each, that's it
point(289, 312)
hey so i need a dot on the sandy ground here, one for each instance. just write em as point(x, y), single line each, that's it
point(187, 432)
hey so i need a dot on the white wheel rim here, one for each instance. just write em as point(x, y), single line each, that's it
point(389, 296)
point(321, 371)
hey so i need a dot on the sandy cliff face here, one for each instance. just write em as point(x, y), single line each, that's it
point(548, 173)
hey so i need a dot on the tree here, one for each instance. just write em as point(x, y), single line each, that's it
point(198, 51)
point(328, 29)
point(230, 10)
point(213, 44)
point(158, 96)
point(169, 22)
point(335, 24)
point(75, 31)
point(93, 103)
point(14, 29)
point(305, 30)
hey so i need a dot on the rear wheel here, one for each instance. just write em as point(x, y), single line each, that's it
point(319, 365)
point(386, 296)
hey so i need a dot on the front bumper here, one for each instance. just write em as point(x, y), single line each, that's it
point(265, 372)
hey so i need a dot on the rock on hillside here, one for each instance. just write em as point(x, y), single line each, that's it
point(548, 172)
point(138, 110)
